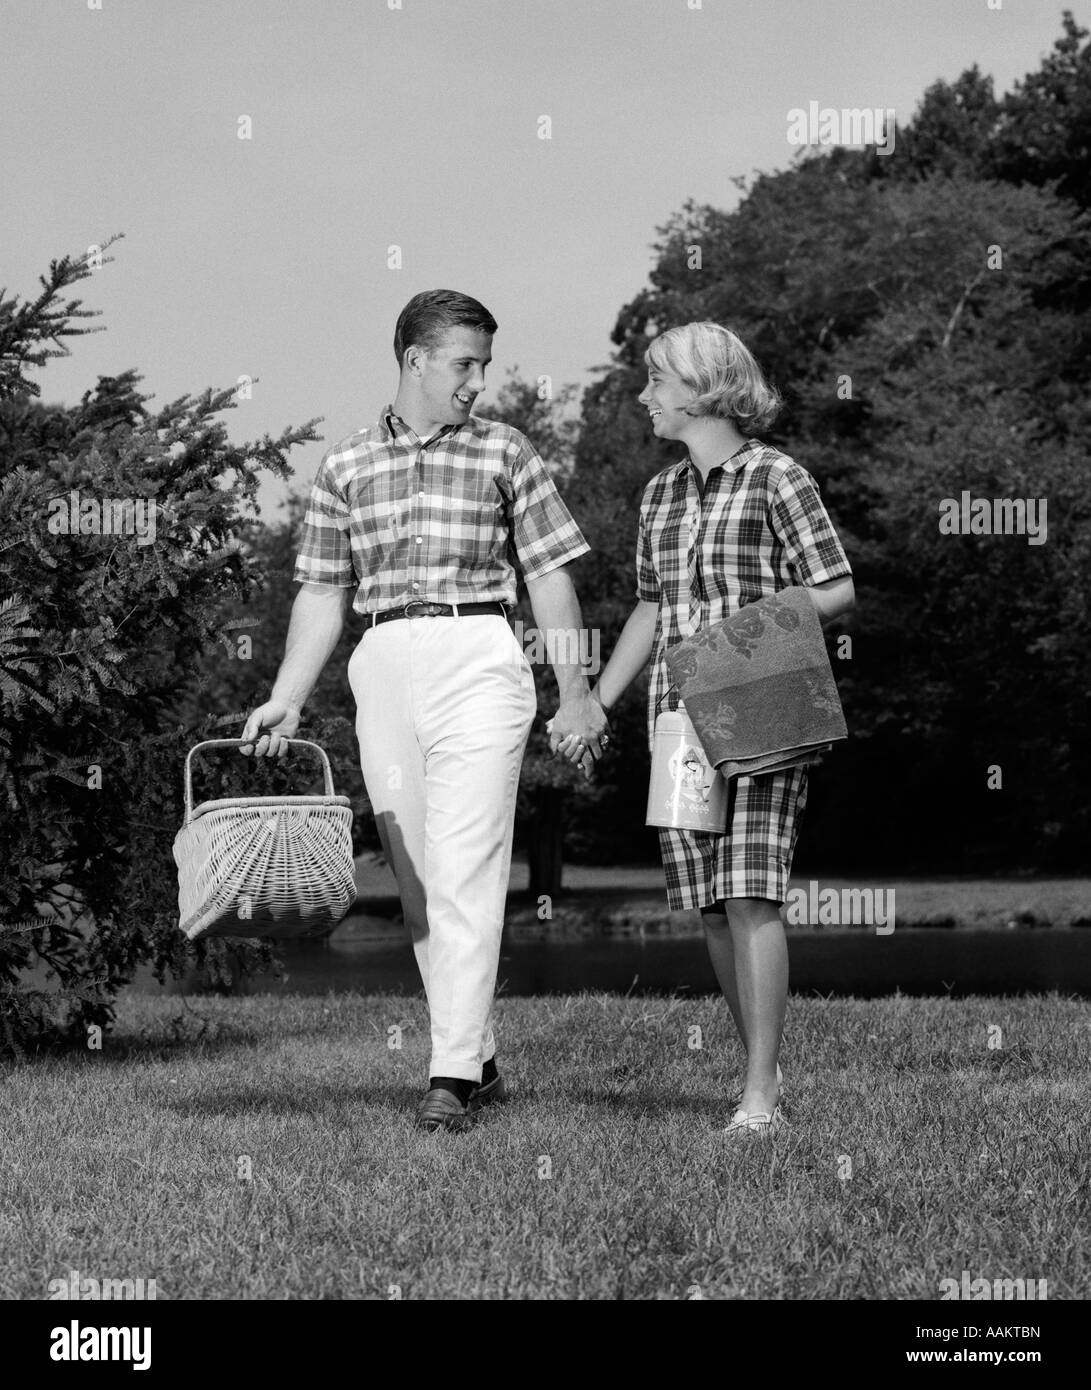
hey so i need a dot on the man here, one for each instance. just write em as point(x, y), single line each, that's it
point(418, 517)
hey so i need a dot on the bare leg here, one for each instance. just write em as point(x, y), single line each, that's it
point(760, 958)
point(722, 954)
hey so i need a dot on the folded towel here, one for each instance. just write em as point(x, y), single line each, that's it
point(775, 762)
point(759, 688)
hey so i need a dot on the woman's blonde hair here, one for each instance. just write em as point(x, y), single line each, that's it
point(718, 365)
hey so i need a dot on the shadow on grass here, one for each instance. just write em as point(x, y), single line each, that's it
point(616, 1093)
point(654, 1104)
point(184, 1038)
point(325, 1099)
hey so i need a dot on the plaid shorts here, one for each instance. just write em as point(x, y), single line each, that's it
point(754, 859)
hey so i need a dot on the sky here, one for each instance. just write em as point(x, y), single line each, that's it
point(416, 125)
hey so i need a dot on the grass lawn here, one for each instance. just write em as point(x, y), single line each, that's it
point(916, 1151)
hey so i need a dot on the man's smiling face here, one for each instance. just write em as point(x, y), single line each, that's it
point(453, 375)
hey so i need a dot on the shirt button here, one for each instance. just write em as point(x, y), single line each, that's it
point(421, 493)
point(420, 540)
point(416, 586)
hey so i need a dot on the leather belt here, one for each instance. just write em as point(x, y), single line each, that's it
point(421, 608)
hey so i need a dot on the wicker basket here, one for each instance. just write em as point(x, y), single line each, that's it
point(278, 866)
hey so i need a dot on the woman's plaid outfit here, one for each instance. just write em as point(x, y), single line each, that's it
point(760, 526)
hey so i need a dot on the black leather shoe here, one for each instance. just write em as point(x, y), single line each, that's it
point(493, 1094)
point(442, 1109)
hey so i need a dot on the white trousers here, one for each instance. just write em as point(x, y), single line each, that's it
point(444, 707)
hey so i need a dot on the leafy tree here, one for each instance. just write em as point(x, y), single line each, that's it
point(912, 369)
point(913, 357)
point(969, 388)
point(1039, 133)
point(952, 132)
point(1043, 134)
point(549, 788)
point(95, 627)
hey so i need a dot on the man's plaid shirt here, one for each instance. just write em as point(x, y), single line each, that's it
point(445, 520)
point(760, 527)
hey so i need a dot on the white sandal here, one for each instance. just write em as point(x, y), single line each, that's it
point(759, 1122)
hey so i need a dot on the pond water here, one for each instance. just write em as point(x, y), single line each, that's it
point(860, 962)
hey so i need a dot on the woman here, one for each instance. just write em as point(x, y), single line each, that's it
point(733, 521)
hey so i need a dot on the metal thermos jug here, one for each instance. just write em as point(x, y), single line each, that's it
point(686, 792)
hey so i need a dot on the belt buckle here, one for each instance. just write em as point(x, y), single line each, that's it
point(419, 603)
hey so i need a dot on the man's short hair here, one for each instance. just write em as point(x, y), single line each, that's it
point(427, 318)
point(715, 363)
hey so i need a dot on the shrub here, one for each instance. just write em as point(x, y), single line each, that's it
point(98, 627)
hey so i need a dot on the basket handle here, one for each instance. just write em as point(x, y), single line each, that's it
point(239, 742)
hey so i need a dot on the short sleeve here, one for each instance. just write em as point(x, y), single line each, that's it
point(325, 547)
point(543, 533)
point(802, 525)
point(647, 580)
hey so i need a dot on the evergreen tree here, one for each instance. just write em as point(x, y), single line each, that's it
point(120, 537)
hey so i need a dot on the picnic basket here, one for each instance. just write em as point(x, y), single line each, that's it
point(278, 866)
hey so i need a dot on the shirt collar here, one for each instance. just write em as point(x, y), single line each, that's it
point(738, 460)
point(400, 432)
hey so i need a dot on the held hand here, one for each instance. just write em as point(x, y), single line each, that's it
point(584, 717)
point(579, 732)
point(280, 719)
point(574, 751)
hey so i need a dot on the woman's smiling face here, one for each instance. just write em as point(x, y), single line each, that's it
point(665, 397)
